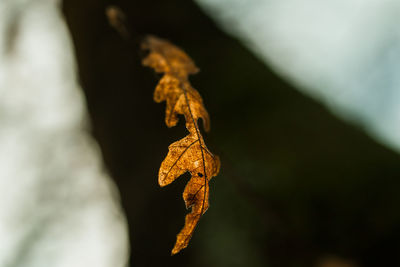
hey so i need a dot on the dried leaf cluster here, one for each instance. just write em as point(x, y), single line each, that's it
point(189, 154)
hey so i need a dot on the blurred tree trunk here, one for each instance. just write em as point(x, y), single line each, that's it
point(58, 206)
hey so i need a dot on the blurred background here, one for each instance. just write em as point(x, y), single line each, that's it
point(303, 99)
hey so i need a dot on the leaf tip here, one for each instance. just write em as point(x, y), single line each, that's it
point(174, 251)
point(162, 181)
point(180, 244)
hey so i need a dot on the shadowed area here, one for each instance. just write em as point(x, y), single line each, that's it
point(296, 183)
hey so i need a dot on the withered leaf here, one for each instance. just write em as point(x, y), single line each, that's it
point(189, 154)
point(117, 18)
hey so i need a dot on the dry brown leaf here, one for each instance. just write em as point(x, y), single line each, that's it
point(189, 154)
point(117, 18)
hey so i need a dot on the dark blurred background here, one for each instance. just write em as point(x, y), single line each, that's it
point(297, 187)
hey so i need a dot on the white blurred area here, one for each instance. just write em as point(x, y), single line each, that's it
point(58, 206)
point(344, 53)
